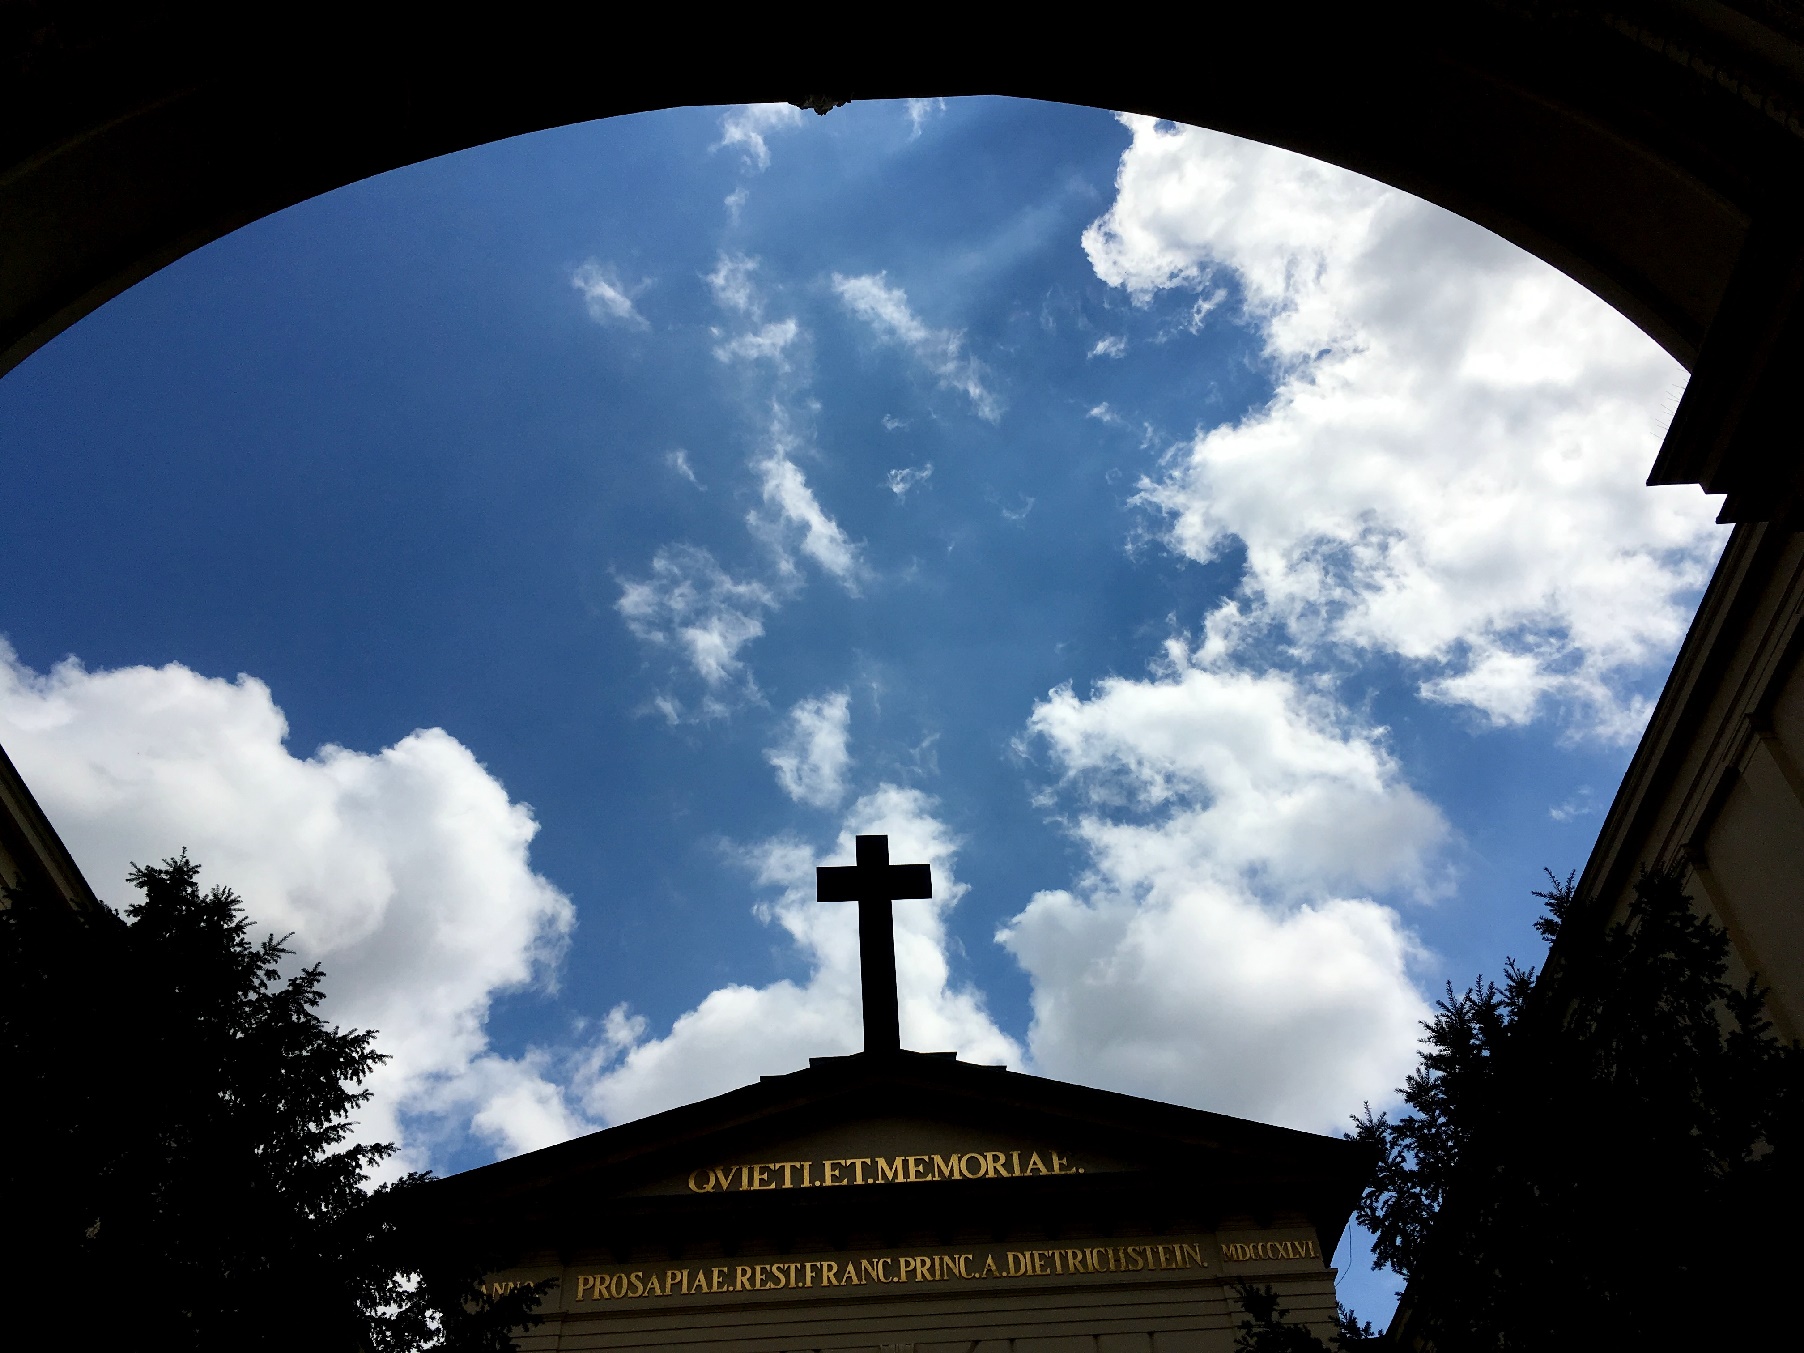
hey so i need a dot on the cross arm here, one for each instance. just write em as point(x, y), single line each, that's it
point(854, 883)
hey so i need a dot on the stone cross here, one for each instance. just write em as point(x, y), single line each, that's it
point(873, 883)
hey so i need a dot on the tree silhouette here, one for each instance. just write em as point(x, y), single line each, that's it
point(178, 1161)
point(1597, 1161)
point(1592, 1162)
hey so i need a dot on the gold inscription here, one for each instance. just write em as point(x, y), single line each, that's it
point(921, 1169)
point(1241, 1252)
point(688, 1280)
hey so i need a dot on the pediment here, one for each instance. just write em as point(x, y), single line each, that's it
point(854, 1137)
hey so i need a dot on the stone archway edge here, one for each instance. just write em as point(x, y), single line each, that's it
point(1630, 147)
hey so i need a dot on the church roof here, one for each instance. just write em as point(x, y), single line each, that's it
point(1037, 1151)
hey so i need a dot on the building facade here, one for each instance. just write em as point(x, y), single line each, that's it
point(903, 1200)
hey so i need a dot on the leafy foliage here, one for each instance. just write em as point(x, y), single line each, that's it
point(1266, 1329)
point(1592, 1163)
point(180, 1138)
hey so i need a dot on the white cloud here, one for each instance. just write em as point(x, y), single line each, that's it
point(941, 351)
point(811, 760)
point(748, 125)
point(769, 342)
point(1204, 307)
point(1581, 804)
point(919, 111)
point(1218, 951)
point(609, 302)
point(1249, 776)
point(405, 872)
point(1451, 467)
point(694, 606)
point(905, 479)
point(678, 460)
point(1191, 992)
point(1114, 345)
point(737, 1033)
point(793, 517)
point(733, 286)
point(1017, 513)
point(690, 603)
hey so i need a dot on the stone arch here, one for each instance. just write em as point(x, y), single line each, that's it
point(1652, 152)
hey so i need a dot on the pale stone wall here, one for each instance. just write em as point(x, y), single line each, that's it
point(1717, 785)
point(1177, 1310)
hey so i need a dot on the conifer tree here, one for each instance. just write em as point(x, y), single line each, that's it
point(1596, 1161)
point(179, 1167)
point(1612, 1159)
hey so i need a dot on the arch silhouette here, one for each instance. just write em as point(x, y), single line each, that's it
point(1653, 152)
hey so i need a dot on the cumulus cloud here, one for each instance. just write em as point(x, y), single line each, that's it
point(694, 607)
point(942, 351)
point(609, 301)
point(746, 127)
point(405, 872)
point(1451, 467)
point(737, 1033)
point(811, 759)
point(1220, 949)
point(1244, 775)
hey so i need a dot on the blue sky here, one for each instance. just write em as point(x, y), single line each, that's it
point(513, 573)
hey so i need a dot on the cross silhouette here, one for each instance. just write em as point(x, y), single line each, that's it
point(873, 883)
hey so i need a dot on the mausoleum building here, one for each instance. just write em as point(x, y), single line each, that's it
point(910, 1200)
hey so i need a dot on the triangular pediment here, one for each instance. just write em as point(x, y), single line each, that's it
point(908, 1131)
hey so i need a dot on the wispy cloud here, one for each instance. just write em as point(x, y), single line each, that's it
point(609, 301)
point(793, 519)
point(689, 604)
point(734, 285)
point(919, 111)
point(902, 481)
point(1581, 804)
point(695, 608)
point(678, 460)
point(745, 128)
point(768, 342)
point(1112, 346)
point(942, 351)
